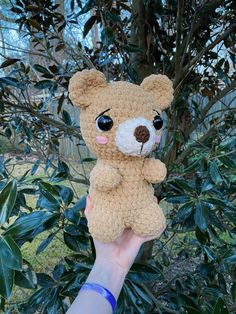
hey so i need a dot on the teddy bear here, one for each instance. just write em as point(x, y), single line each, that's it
point(121, 124)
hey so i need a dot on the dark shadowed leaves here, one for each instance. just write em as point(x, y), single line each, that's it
point(28, 222)
point(26, 278)
point(89, 24)
point(43, 84)
point(10, 253)
point(6, 280)
point(8, 62)
point(142, 273)
point(220, 307)
point(214, 173)
point(44, 244)
point(7, 201)
point(201, 216)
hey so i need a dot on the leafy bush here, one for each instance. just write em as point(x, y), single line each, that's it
point(192, 267)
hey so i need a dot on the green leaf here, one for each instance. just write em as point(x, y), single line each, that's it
point(138, 290)
point(191, 310)
point(11, 81)
point(222, 203)
point(210, 254)
point(48, 189)
point(45, 280)
point(10, 253)
point(89, 24)
point(142, 273)
point(73, 215)
point(207, 186)
point(71, 242)
point(6, 280)
point(42, 246)
point(87, 7)
point(8, 62)
point(42, 69)
point(201, 216)
point(7, 201)
point(228, 161)
point(214, 220)
point(63, 167)
point(35, 167)
point(178, 199)
point(184, 212)
point(51, 193)
point(43, 84)
point(88, 159)
point(109, 16)
point(165, 259)
point(66, 194)
point(231, 259)
point(81, 204)
point(202, 237)
point(220, 307)
point(60, 47)
point(188, 301)
point(26, 278)
point(214, 173)
point(233, 292)
point(107, 36)
point(134, 300)
point(66, 117)
point(27, 223)
point(35, 24)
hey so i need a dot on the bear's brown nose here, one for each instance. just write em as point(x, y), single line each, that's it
point(142, 134)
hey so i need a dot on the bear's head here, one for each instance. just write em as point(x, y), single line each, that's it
point(120, 119)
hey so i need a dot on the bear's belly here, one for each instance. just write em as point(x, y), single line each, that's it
point(134, 193)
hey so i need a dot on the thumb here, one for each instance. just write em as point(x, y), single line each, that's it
point(89, 206)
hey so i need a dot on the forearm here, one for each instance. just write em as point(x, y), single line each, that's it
point(111, 277)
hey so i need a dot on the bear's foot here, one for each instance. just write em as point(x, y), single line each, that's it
point(149, 221)
point(104, 225)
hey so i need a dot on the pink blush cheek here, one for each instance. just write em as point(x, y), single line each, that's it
point(101, 140)
point(158, 139)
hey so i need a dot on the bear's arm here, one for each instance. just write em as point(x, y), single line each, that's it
point(104, 177)
point(154, 171)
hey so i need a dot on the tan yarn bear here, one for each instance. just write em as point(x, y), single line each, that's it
point(121, 123)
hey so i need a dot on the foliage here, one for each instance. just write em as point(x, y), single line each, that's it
point(192, 268)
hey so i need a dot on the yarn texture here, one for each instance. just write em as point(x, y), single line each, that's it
point(116, 121)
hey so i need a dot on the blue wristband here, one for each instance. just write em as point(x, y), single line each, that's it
point(101, 290)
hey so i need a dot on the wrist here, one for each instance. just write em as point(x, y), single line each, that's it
point(111, 266)
point(108, 274)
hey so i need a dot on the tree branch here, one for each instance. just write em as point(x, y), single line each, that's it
point(197, 22)
point(67, 129)
point(195, 60)
point(210, 104)
point(210, 133)
point(179, 31)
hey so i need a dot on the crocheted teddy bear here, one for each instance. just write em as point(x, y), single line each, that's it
point(121, 124)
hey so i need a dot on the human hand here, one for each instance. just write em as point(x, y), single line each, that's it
point(123, 251)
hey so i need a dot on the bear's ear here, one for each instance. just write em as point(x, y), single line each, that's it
point(84, 85)
point(161, 87)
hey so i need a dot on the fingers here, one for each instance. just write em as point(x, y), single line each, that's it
point(89, 206)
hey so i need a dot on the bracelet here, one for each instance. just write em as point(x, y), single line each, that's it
point(102, 291)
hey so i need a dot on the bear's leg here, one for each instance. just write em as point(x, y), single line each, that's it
point(105, 225)
point(149, 221)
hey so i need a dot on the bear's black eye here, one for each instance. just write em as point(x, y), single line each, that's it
point(104, 123)
point(158, 122)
